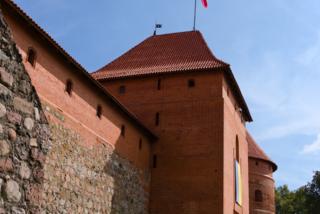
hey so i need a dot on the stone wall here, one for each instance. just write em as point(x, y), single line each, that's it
point(45, 167)
point(82, 179)
point(24, 133)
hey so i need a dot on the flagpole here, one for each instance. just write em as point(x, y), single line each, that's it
point(195, 15)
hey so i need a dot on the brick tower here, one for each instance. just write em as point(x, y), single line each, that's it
point(261, 183)
point(190, 99)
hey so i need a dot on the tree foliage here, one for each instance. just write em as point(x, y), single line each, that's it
point(305, 200)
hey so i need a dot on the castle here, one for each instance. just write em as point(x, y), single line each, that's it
point(161, 129)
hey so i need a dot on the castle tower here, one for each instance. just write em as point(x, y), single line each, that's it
point(261, 183)
point(190, 99)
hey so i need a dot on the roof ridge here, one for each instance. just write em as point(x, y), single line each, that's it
point(167, 50)
point(174, 33)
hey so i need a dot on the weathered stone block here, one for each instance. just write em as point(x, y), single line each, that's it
point(33, 142)
point(23, 105)
point(28, 123)
point(5, 77)
point(6, 165)
point(12, 134)
point(12, 191)
point(4, 148)
point(3, 110)
point(2, 211)
point(24, 171)
point(36, 114)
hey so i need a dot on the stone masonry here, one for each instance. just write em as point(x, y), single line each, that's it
point(82, 179)
point(24, 133)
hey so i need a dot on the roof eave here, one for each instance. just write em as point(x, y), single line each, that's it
point(239, 95)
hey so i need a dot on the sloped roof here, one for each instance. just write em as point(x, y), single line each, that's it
point(255, 151)
point(170, 53)
point(13, 7)
point(163, 53)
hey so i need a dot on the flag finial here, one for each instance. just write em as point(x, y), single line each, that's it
point(156, 26)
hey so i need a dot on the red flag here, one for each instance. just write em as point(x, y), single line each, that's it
point(204, 3)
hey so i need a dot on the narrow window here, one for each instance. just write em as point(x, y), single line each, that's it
point(159, 84)
point(69, 87)
point(122, 89)
point(155, 161)
point(31, 56)
point(157, 119)
point(123, 130)
point(258, 196)
point(191, 83)
point(140, 144)
point(237, 149)
point(99, 111)
point(257, 163)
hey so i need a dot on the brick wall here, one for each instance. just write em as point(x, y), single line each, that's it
point(261, 179)
point(234, 128)
point(189, 174)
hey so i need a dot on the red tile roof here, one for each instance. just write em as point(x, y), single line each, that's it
point(163, 53)
point(168, 53)
point(254, 151)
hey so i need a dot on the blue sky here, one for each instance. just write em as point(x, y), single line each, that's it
point(272, 45)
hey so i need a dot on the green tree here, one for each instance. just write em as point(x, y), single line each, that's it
point(305, 200)
point(312, 194)
point(284, 200)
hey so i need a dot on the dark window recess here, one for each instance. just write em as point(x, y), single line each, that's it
point(140, 144)
point(122, 89)
point(69, 87)
point(99, 111)
point(123, 130)
point(258, 196)
point(191, 83)
point(159, 84)
point(31, 57)
point(157, 119)
point(257, 163)
point(155, 159)
point(237, 149)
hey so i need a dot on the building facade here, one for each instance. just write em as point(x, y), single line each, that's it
point(159, 130)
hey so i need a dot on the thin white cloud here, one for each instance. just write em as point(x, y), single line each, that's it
point(285, 90)
point(313, 147)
